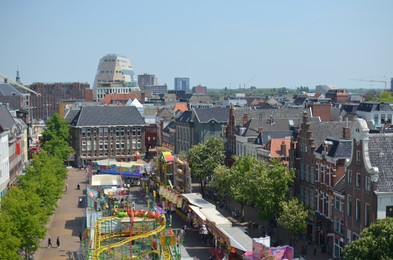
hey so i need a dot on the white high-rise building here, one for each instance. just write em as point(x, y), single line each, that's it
point(114, 75)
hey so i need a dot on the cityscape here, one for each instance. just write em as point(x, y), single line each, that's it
point(195, 158)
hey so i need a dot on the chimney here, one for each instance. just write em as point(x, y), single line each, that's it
point(346, 131)
point(245, 119)
point(283, 150)
point(142, 98)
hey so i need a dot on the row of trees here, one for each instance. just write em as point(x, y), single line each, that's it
point(264, 185)
point(27, 207)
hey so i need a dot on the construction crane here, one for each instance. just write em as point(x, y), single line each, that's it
point(244, 84)
point(7, 79)
point(366, 80)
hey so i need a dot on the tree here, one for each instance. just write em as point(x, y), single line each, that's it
point(24, 207)
point(56, 137)
point(385, 97)
point(293, 216)
point(273, 188)
point(204, 158)
point(375, 242)
point(9, 244)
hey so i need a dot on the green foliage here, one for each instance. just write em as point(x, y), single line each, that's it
point(9, 244)
point(204, 158)
point(56, 137)
point(24, 207)
point(293, 216)
point(385, 97)
point(273, 188)
point(375, 242)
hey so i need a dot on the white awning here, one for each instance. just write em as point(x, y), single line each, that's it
point(106, 179)
point(238, 238)
point(197, 211)
point(197, 200)
point(215, 216)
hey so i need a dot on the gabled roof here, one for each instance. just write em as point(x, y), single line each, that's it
point(71, 114)
point(165, 113)
point(185, 117)
point(338, 148)
point(264, 137)
point(8, 90)
point(274, 146)
point(380, 147)
point(7, 121)
point(374, 106)
point(323, 130)
point(180, 106)
point(171, 125)
point(108, 115)
point(218, 114)
point(340, 185)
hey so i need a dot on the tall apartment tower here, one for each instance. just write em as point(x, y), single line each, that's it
point(182, 84)
point(146, 80)
point(114, 75)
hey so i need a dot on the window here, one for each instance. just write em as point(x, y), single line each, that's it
point(349, 177)
point(376, 123)
point(83, 132)
point(122, 131)
point(211, 127)
point(349, 206)
point(358, 210)
point(88, 132)
point(101, 144)
point(139, 131)
point(134, 131)
point(358, 156)
point(83, 145)
point(389, 118)
point(117, 131)
point(358, 180)
point(88, 146)
point(366, 215)
point(382, 119)
point(368, 183)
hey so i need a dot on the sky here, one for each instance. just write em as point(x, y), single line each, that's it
point(218, 44)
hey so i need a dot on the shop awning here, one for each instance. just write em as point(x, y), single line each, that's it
point(197, 200)
point(215, 216)
point(106, 179)
point(167, 156)
point(238, 238)
point(197, 211)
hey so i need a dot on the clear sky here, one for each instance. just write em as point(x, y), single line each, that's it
point(215, 43)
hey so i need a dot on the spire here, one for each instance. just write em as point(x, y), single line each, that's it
point(17, 75)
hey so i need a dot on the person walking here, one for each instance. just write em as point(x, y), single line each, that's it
point(80, 236)
point(49, 242)
point(58, 242)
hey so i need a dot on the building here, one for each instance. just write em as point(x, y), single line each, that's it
point(201, 90)
point(52, 95)
point(369, 179)
point(112, 132)
point(146, 80)
point(378, 112)
point(184, 132)
point(157, 89)
point(4, 162)
point(13, 97)
point(182, 84)
point(114, 75)
point(17, 146)
point(337, 95)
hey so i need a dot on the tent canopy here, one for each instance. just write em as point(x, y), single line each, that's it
point(238, 238)
point(197, 200)
point(106, 179)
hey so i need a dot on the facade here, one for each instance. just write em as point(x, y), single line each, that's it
point(337, 95)
point(200, 90)
point(330, 158)
point(378, 112)
point(110, 132)
point(114, 75)
point(16, 143)
point(312, 134)
point(146, 80)
point(4, 163)
point(369, 186)
point(184, 132)
point(157, 89)
point(52, 95)
point(150, 137)
point(182, 84)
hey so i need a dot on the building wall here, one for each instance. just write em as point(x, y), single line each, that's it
point(4, 163)
point(151, 137)
point(182, 84)
point(52, 94)
point(116, 142)
point(199, 90)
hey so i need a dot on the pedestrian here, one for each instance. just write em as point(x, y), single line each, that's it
point(80, 236)
point(58, 242)
point(49, 242)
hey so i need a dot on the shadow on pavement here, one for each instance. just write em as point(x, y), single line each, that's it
point(75, 225)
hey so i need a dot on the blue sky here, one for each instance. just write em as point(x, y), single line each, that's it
point(216, 43)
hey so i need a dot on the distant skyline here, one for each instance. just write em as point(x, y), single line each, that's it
point(218, 44)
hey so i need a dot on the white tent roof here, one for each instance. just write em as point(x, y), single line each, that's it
point(105, 179)
point(197, 200)
point(215, 216)
point(198, 212)
point(238, 238)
